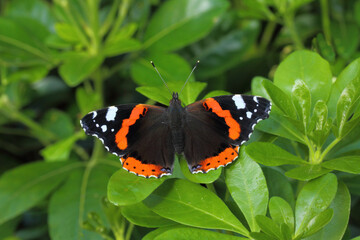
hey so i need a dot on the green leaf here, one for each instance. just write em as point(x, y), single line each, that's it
point(141, 215)
point(262, 236)
point(172, 68)
point(279, 185)
point(281, 212)
point(158, 94)
point(199, 177)
point(268, 226)
point(125, 188)
point(255, 9)
point(318, 222)
point(314, 197)
point(324, 48)
point(193, 19)
point(120, 46)
point(286, 232)
point(191, 204)
point(67, 32)
point(87, 101)
point(191, 91)
point(23, 187)
point(306, 173)
point(302, 101)
point(60, 151)
point(350, 164)
point(226, 51)
point(351, 72)
point(348, 101)
point(78, 66)
point(216, 93)
point(280, 99)
point(346, 40)
point(309, 67)
point(320, 125)
point(29, 74)
point(70, 205)
point(269, 154)
point(59, 123)
point(335, 229)
point(187, 233)
point(153, 234)
point(245, 178)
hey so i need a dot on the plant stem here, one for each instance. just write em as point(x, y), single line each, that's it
point(289, 23)
point(267, 35)
point(325, 19)
point(129, 231)
point(122, 12)
point(328, 148)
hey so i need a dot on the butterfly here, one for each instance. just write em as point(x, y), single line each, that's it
point(208, 132)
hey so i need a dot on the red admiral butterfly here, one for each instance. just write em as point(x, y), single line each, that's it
point(208, 132)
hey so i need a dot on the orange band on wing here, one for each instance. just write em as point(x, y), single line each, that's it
point(146, 170)
point(222, 159)
point(234, 126)
point(120, 137)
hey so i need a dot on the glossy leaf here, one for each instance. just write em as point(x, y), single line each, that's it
point(314, 197)
point(306, 173)
point(308, 67)
point(271, 155)
point(191, 204)
point(320, 125)
point(186, 233)
point(30, 184)
point(125, 188)
point(141, 215)
point(158, 94)
point(257, 87)
point(350, 164)
point(245, 178)
point(281, 212)
point(153, 234)
point(78, 66)
point(199, 177)
point(335, 229)
point(172, 68)
point(193, 19)
point(261, 236)
point(318, 222)
point(69, 206)
point(302, 101)
point(268, 226)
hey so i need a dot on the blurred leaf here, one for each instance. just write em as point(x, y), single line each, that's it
point(281, 212)
point(59, 123)
point(306, 173)
point(335, 229)
point(268, 226)
point(141, 215)
point(23, 187)
point(67, 32)
point(187, 233)
point(257, 87)
point(357, 12)
point(324, 48)
point(216, 93)
point(199, 177)
point(271, 155)
point(8, 228)
point(19, 93)
point(280, 99)
point(60, 151)
point(309, 67)
point(245, 178)
point(351, 72)
point(314, 197)
point(350, 164)
point(172, 68)
point(193, 205)
point(227, 51)
point(302, 101)
point(29, 74)
point(121, 46)
point(193, 19)
point(295, 4)
point(318, 222)
point(346, 39)
point(81, 194)
point(279, 185)
point(347, 104)
point(255, 9)
point(78, 66)
point(125, 188)
point(87, 101)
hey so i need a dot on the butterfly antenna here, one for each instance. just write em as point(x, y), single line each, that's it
point(197, 62)
point(152, 63)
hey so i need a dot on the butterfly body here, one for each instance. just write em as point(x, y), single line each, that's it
point(208, 132)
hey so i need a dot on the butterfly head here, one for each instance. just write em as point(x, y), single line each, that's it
point(175, 99)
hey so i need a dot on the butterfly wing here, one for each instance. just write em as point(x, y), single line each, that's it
point(137, 134)
point(215, 127)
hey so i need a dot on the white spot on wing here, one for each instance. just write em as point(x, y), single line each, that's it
point(241, 118)
point(94, 114)
point(255, 110)
point(111, 113)
point(239, 101)
point(104, 128)
point(248, 114)
point(112, 129)
point(255, 99)
point(97, 125)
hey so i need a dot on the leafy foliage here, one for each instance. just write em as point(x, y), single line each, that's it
point(297, 177)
